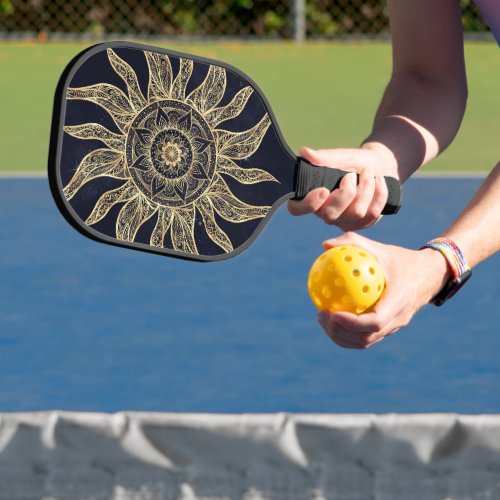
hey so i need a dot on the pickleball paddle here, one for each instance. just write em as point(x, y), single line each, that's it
point(170, 153)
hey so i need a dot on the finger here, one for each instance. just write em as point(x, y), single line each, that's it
point(312, 155)
point(311, 203)
point(362, 340)
point(382, 320)
point(344, 344)
point(362, 324)
point(366, 209)
point(380, 195)
point(338, 201)
point(339, 339)
point(348, 238)
point(338, 334)
point(365, 191)
point(338, 157)
point(353, 341)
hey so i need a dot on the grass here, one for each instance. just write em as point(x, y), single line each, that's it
point(323, 94)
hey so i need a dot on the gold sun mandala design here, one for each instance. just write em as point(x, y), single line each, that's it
point(170, 153)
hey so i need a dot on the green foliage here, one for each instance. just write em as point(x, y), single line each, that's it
point(325, 18)
point(273, 22)
point(320, 22)
point(6, 7)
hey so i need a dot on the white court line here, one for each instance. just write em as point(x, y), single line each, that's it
point(34, 174)
point(453, 174)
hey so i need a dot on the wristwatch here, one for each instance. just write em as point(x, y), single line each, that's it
point(460, 270)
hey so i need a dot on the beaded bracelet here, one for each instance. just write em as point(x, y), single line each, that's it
point(460, 269)
point(452, 254)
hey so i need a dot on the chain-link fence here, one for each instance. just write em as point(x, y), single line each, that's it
point(206, 18)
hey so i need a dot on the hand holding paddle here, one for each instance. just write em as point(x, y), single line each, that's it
point(354, 205)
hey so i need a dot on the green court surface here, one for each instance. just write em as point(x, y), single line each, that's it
point(323, 94)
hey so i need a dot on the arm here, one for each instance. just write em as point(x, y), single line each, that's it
point(477, 230)
point(415, 277)
point(419, 114)
point(424, 103)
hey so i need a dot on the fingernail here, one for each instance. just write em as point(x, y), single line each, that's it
point(323, 194)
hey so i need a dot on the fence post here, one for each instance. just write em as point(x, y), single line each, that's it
point(299, 20)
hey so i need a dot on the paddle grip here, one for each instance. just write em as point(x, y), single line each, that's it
point(310, 177)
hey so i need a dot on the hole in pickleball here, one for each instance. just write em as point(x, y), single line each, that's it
point(317, 276)
point(348, 258)
point(372, 270)
point(346, 299)
point(327, 293)
point(366, 289)
point(379, 287)
point(363, 254)
point(360, 309)
point(317, 300)
point(339, 281)
point(356, 273)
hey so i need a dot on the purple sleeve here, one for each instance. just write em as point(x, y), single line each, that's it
point(490, 9)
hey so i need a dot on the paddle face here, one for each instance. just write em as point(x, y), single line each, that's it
point(165, 152)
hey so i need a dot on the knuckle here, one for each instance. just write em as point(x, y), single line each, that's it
point(406, 320)
point(378, 325)
point(358, 211)
point(373, 213)
point(331, 220)
point(329, 215)
point(349, 190)
point(367, 341)
point(366, 178)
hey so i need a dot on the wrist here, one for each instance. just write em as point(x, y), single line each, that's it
point(437, 272)
point(386, 157)
point(457, 266)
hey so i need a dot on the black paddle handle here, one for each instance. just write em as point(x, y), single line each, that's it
point(310, 177)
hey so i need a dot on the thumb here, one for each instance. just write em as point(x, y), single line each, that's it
point(311, 155)
point(351, 159)
point(349, 238)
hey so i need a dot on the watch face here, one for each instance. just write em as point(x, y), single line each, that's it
point(451, 288)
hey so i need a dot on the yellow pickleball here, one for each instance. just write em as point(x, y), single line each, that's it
point(346, 278)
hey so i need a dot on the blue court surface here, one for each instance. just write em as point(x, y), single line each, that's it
point(91, 327)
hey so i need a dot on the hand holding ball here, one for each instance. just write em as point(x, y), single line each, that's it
point(346, 278)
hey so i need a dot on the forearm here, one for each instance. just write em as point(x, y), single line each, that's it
point(416, 120)
point(424, 103)
point(477, 230)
